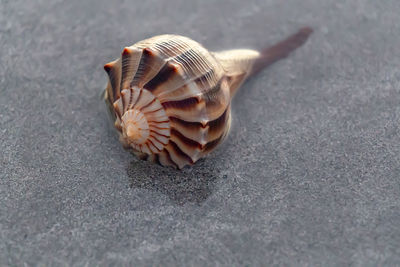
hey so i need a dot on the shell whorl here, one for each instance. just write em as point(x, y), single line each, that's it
point(142, 121)
point(171, 97)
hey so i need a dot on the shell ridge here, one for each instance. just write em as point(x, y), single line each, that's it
point(113, 70)
point(150, 64)
point(177, 155)
point(130, 62)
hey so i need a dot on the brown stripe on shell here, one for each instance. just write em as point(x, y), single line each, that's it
point(191, 60)
point(218, 127)
point(148, 105)
point(179, 157)
point(150, 64)
point(156, 143)
point(188, 146)
point(208, 107)
point(191, 109)
point(193, 130)
point(130, 59)
point(187, 103)
point(152, 109)
point(169, 78)
point(113, 70)
point(152, 146)
point(190, 89)
point(199, 133)
point(213, 144)
point(159, 125)
point(160, 132)
point(159, 137)
point(157, 117)
point(202, 73)
point(189, 142)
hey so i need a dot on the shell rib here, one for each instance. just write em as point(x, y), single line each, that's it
point(171, 97)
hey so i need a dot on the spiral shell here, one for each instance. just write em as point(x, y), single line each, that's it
point(171, 97)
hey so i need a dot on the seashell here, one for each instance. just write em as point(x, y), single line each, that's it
point(170, 97)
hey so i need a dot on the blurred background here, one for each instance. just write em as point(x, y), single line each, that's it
point(309, 174)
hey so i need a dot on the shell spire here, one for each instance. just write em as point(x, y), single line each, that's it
point(171, 97)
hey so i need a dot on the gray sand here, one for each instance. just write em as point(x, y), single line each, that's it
point(310, 174)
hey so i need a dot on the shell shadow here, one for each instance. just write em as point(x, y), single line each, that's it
point(192, 184)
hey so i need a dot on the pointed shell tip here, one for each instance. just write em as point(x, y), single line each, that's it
point(147, 51)
point(126, 51)
point(108, 66)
